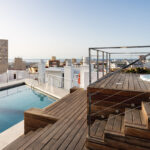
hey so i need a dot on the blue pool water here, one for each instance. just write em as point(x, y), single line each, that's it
point(14, 101)
point(145, 77)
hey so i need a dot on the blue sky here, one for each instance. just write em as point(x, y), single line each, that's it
point(67, 28)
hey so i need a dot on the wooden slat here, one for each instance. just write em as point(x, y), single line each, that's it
point(130, 81)
point(143, 119)
point(100, 130)
point(136, 116)
point(117, 124)
point(136, 83)
point(94, 127)
point(126, 82)
point(128, 116)
point(131, 84)
point(141, 83)
point(110, 122)
point(147, 108)
point(114, 81)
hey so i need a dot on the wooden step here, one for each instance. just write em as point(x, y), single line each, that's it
point(97, 129)
point(128, 142)
point(146, 112)
point(134, 118)
point(135, 124)
point(115, 125)
point(93, 145)
point(123, 145)
point(96, 139)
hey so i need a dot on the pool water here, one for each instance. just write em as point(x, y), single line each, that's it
point(145, 77)
point(14, 101)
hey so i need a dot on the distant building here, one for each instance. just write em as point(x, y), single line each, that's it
point(53, 62)
point(19, 64)
point(53, 58)
point(74, 61)
point(3, 56)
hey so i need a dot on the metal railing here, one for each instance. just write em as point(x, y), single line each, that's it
point(102, 60)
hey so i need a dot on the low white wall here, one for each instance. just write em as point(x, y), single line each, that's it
point(84, 76)
point(9, 76)
point(70, 77)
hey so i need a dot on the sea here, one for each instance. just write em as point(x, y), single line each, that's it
point(38, 60)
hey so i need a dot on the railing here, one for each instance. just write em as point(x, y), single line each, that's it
point(60, 82)
point(100, 62)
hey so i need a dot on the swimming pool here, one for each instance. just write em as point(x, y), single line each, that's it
point(14, 101)
point(145, 77)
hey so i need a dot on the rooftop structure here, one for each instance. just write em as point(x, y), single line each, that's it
point(3, 56)
point(19, 64)
point(53, 62)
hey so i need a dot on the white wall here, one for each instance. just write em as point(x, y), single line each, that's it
point(84, 76)
point(20, 74)
point(41, 71)
point(70, 77)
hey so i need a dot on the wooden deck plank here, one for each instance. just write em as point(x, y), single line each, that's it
point(131, 84)
point(73, 126)
point(136, 116)
point(61, 111)
point(130, 81)
point(72, 135)
point(79, 138)
point(136, 83)
point(100, 130)
point(94, 127)
point(141, 83)
point(54, 109)
point(143, 119)
point(114, 81)
point(128, 115)
point(121, 81)
point(107, 81)
point(126, 82)
point(117, 124)
point(48, 136)
point(110, 122)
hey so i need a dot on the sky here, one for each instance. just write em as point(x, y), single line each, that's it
point(67, 28)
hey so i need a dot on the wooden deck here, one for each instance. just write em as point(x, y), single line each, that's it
point(69, 132)
point(123, 81)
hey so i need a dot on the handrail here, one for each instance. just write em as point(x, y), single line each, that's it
point(92, 114)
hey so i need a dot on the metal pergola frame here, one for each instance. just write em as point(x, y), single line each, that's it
point(108, 57)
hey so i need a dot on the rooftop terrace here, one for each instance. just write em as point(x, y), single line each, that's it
point(69, 132)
